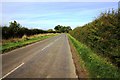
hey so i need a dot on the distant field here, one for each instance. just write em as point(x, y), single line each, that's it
point(14, 43)
point(97, 66)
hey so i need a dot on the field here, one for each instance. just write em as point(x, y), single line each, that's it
point(97, 66)
point(14, 43)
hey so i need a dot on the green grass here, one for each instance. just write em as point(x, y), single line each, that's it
point(13, 45)
point(97, 66)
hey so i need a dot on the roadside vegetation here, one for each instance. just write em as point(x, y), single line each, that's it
point(97, 66)
point(13, 43)
point(15, 30)
point(103, 36)
point(79, 63)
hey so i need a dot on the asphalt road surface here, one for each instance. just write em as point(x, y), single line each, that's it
point(50, 58)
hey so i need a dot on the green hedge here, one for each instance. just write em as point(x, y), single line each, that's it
point(102, 35)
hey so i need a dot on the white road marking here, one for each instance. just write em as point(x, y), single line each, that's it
point(57, 38)
point(12, 71)
point(47, 46)
point(50, 44)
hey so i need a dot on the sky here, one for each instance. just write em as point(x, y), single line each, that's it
point(59, 0)
point(46, 15)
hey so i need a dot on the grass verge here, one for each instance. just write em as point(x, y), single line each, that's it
point(97, 66)
point(78, 62)
point(13, 45)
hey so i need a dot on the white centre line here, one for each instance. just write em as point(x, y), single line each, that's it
point(50, 44)
point(12, 71)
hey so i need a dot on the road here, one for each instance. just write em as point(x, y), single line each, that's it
point(50, 58)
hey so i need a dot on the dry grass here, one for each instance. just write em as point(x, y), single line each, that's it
point(4, 41)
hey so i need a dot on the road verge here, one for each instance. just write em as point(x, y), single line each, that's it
point(79, 63)
point(97, 66)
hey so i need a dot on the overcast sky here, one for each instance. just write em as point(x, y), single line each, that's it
point(46, 15)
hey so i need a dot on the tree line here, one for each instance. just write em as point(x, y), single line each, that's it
point(15, 30)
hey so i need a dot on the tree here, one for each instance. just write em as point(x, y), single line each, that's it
point(50, 31)
point(5, 32)
point(14, 28)
point(67, 29)
point(58, 28)
point(62, 29)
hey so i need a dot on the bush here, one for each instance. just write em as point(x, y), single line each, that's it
point(24, 37)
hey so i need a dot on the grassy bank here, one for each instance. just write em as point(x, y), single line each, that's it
point(97, 66)
point(16, 43)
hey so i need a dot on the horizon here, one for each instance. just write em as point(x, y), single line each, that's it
point(46, 15)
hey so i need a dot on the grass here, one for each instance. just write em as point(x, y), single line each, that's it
point(97, 66)
point(11, 44)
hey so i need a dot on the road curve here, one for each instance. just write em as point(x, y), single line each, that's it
point(50, 58)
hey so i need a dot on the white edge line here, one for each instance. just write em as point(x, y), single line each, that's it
point(12, 71)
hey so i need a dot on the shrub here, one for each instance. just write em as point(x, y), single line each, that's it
point(24, 37)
